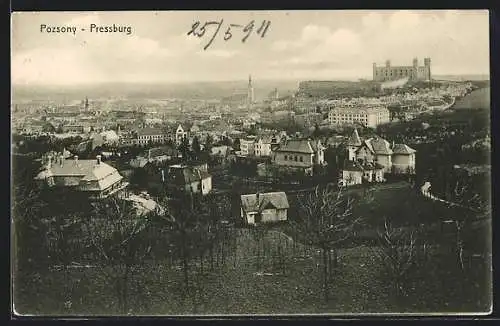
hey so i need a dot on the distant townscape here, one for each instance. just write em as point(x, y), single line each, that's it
point(333, 196)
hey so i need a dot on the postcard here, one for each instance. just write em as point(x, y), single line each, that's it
point(251, 163)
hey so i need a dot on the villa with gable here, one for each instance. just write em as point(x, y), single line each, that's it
point(369, 160)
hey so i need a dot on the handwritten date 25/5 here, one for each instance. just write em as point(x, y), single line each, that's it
point(199, 30)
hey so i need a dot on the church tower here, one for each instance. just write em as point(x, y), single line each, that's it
point(86, 104)
point(250, 96)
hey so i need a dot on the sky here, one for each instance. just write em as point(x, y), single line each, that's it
point(312, 45)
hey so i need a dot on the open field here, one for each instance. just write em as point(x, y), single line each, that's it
point(268, 272)
point(356, 287)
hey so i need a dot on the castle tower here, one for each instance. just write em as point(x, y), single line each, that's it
point(388, 63)
point(250, 96)
point(427, 65)
point(415, 74)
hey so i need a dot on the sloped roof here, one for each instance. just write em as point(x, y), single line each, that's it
point(403, 149)
point(297, 146)
point(367, 145)
point(83, 146)
point(110, 135)
point(380, 146)
point(138, 162)
point(149, 131)
point(219, 150)
point(143, 205)
point(334, 140)
point(94, 176)
point(187, 175)
point(354, 139)
point(265, 139)
point(254, 203)
point(315, 144)
point(160, 151)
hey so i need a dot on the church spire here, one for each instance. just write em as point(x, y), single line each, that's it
point(250, 97)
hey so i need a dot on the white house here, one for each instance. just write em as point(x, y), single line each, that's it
point(264, 207)
point(180, 134)
point(263, 146)
point(247, 146)
point(301, 154)
point(191, 179)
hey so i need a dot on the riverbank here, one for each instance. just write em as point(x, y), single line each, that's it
point(477, 99)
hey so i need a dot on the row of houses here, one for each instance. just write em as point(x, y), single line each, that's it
point(368, 160)
point(98, 180)
point(145, 136)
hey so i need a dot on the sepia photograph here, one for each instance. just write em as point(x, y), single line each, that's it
point(250, 163)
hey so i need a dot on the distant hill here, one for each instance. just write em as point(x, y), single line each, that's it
point(195, 90)
point(328, 88)
point(461, 77)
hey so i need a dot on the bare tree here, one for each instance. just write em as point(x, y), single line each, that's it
point(183, 218)
point(259, 232)
point(216, 211)
point(397, 253)
point(471, 205)
point(115, 233)
point(326, 221)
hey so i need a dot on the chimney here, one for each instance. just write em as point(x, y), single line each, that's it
point(49, 161)
point(98, 157)
point(61, 159)
point(257, 195)
point(76, 159)
point(162, 175)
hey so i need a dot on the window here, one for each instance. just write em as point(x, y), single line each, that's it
point(301, 159)
point(286, 157)
point(296, 158)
